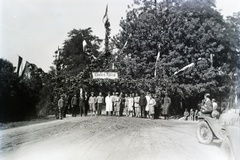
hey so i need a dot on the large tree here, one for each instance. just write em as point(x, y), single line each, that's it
point(183, 32)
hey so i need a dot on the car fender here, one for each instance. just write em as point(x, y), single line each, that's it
point(218, 130)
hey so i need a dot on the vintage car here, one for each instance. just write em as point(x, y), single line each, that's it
point(226, 129)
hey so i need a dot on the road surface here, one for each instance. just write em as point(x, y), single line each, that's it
point(106, 138)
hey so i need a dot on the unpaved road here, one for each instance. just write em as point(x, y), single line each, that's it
point(106, 138)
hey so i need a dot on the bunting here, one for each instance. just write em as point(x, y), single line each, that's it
point(157, 59)
point(184, 68)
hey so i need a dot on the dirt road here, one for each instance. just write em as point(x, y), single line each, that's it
point(106, 138)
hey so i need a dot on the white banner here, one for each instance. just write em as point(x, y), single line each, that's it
point(105, 75)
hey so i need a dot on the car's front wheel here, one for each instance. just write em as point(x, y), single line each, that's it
point(204, 133)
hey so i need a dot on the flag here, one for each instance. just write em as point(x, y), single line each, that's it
point(84, 43)
point(125, 44)
point(26, 73)
point(19, 64)
point(155, 72)
point(184, 68)
point(105, 17)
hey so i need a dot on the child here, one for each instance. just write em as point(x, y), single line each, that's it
point(196, 115)
point(186, 114)
point(191, 114)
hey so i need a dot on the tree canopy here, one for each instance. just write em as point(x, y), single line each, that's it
point(182, 32)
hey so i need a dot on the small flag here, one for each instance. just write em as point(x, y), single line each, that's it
point(19, 64)
point(105, 17)
point(184, 68)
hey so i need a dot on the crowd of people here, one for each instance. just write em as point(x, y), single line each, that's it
point(146, 105)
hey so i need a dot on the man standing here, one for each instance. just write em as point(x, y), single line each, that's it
point(114, 103)
point(126, 98)
point(60, 107)
point(122, 104)
point(109, 103)
point(166, 105)
point(142, 104)
point(65, 107)
point(74, 105)
point(82, 107)
point(92, 104)
point(117, 104)
point(86, 98)
point(136, 105)
point(157, 106)
point(100, 101)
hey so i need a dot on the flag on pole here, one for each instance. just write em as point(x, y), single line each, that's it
point(157, 59)
point(26, 73)
point(184, 68)
point(19, 64)
point(105, 17)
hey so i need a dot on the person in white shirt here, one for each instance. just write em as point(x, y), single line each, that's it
point(130, 105)
point(136, 105)
point(147, 106)
point(109, 104)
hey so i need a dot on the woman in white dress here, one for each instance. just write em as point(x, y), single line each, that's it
point(109, 103)
point(147, 106)
point(136, 105)
point(130, 105)
point(152, 103)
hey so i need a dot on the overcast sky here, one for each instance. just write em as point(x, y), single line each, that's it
point(34, 29)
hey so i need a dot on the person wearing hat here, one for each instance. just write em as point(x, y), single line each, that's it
point(74, 103)
point(82, 105)
point(207, 104)
point(142, 104)
point(166, 105)
point(92, 104)
point(117, 104)
point(60, 107)
point(100, 101)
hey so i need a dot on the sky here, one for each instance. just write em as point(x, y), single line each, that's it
point(34, 29)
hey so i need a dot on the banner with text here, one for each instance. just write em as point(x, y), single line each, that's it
point(105, 75)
